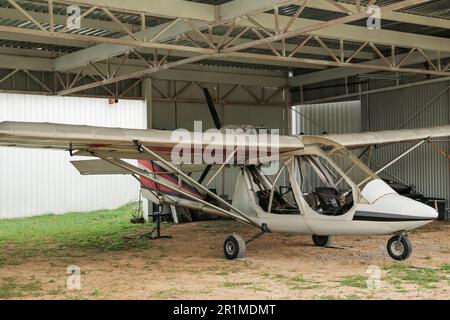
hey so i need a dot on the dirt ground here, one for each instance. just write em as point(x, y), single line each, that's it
point(191, 266)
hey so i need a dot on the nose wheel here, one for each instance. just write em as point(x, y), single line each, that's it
point(234, 247)
point(321, 241)
point(399, 247)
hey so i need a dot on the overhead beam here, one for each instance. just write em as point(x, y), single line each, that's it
point(159, 8)
point(355, 33)
point(392, 16)
point(238, 8)
point(220, 75)
point(361, 66)
point(97, 39)
point(228, 11)
point(210, 75)
point(27, 63)
point(343, 72)
point(321, 25)
point(234, 51)
point(267, 20)
point(13, 14)
point(135, 75)
point(55, 56)
point(314, 50)
point(250, 57)
point(376, 91)
point(104, 51)
point(39, 39)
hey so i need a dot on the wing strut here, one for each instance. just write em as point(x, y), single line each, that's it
point(404, 154)
point(390, 163)
point(243, 217)
point(142, 173)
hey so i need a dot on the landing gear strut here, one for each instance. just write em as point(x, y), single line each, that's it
point(399, 247)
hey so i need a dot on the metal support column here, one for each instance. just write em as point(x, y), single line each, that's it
point(148, 96)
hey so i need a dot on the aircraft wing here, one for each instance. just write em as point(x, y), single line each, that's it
point(357, 140)
point(118, 142)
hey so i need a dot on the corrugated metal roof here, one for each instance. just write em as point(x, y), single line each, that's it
point(437, 8)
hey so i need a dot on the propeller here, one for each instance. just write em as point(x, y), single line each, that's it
point(217, 123)
point(212, 109)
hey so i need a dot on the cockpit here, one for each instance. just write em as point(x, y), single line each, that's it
point(328, 177)
point(274, 193)
point(331, 179)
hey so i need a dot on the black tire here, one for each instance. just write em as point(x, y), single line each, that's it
point(234, 247)
point(322, 241)
point(399, 250)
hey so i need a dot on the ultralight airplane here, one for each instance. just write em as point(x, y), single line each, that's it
point(321, 187)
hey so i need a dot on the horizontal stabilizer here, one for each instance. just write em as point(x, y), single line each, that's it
point(98, 167)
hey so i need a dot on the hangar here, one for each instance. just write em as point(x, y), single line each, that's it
point(304, 67)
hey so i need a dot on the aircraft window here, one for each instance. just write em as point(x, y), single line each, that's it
point(352, 166)
point(322, 186)
point(274, 193)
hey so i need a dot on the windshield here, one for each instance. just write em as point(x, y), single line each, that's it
point(357, 171)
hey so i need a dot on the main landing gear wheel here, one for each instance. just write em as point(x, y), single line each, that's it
point(322, 241)
point(399, 247)
point(234, 247)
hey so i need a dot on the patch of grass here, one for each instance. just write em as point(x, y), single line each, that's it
point(352, 297)
point(96, 293)
point(233, 285)
point(100, 230)
point(254, 286)
point(397, 284)
point(355, 281)
point(300, 278)
point(56, 292)
point(425, 277)
point(299, 282)
point(13, 288)
point(221, 270)
point(170, 293)
point(257, 287)
point(76, 297)
point(329, 297)
point(445, 267)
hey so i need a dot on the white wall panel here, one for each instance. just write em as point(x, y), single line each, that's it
point(336, 117)
point(425, 106)
point(34, 182)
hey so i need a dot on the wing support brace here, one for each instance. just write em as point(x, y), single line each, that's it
point(401, 156)
point(237, 214)
point(142, 173)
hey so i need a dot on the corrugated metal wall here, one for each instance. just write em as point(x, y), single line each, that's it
point(337, 117)
point(170, 116)
point(34, 182)
point(424, 167)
